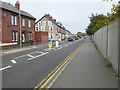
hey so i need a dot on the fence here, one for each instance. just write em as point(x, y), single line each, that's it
point(106, 39)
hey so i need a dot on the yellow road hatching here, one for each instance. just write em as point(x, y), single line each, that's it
point(52, 74)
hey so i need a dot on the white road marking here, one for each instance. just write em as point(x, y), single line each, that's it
point(5, 68)
point(38, 56)
point(19, 57)
point(30, 55)
point(24, 55)
point(13, 61)
point(59, 48)
point(39, 52)
point(48, 49)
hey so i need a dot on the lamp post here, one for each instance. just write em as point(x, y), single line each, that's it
point(20, 25)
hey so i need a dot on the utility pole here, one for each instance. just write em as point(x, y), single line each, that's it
point(20, 25)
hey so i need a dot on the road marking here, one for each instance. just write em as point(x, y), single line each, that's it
point(42, 84)
point(59, 48)
point(38, 56)
point(30, 55)
point(47, 49)
point(5, 68)
point(24, 55)
point(39, 52)
point(13, 61)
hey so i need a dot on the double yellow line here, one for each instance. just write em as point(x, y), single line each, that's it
point(45, 81)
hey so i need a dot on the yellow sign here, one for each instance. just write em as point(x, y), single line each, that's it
point(50, 45)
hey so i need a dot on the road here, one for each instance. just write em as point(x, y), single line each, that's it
point(27, 69)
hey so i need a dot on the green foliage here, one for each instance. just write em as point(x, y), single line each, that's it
point(98, 21)
point(108, 64)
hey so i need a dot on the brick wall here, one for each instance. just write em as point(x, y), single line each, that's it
point(7, 29)
point(43, 36)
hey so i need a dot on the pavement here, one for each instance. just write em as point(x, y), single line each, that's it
point(14, 50)
point(86, 70)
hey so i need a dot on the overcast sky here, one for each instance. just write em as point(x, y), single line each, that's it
point(73, 14)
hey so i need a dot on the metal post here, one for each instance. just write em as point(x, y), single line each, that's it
point(20, 25)
point(119, 45)
point(107, 44)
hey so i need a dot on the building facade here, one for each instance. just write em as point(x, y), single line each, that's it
point(48, 24)
point(10, 24)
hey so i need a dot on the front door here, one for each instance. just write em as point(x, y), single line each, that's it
point(23, 37)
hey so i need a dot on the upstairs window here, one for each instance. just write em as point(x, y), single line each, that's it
point(14, 20)
point(49, 23)
point(23, 22)
point(39, 23)
point(29, 23)
point(44, 23)
point(42, 28)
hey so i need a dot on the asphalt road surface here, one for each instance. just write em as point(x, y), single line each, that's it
point(26, 69)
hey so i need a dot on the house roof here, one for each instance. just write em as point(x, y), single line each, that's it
point(68, 31)
point(48, 19)
point(10, 7)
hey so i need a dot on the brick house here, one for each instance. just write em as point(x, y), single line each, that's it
point(10, 24)
point(49, 25)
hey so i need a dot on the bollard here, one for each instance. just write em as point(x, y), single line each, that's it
point(50, 45)
point(57, 44)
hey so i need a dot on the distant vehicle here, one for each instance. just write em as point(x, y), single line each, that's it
point(80, 37)
point(70, 39)
point(84, 37)
point(76, 38)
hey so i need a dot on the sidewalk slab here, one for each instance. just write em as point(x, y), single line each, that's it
point(86, 70)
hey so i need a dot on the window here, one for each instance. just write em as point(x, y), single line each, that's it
point(30, 35)
point(23, 22)
point(49, 23)
point(13, 20)
point(36, 28)
point(50, 36)
point(44, 23)
point(50, 28)
point(29, 23)
point(14, 36)
point(39, 23)
point(42, 28)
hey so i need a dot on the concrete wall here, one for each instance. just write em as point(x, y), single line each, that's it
point(107, 42)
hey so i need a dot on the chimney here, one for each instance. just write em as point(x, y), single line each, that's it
point(17, 5)
point(47, 15)
point(54, 20)
point(50, 17)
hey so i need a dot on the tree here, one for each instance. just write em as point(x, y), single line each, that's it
point(79, 34)
point(93, 21)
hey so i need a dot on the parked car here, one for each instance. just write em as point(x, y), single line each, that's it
point(70, 39)
point(76, 38)
point(84, 37)
point(80, 37)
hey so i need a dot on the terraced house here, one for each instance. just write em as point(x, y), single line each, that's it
point(48, 25)
point(10, 24)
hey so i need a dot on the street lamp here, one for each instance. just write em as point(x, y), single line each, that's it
point(20, 24)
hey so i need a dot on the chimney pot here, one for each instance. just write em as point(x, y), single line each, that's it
point(17, 5)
